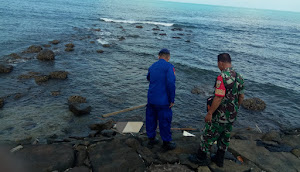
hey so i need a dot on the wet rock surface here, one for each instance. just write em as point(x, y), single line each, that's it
point(1, 102)
point(106, 45)
point(55, 42)
point(47, 157)
point(79, 109)
point(5, 68)
point(130, 153)
point(41, 79)
point(102, 126)
point(34, 49)
point(15, 56)
point(100, 51)
point(76, 99)
point(78, 105)
point(69, 49)
point(55, 93)
point(46, 55)
point(28, 75)
point(59, 75)
point(70, 45)
point(197, 90)
point(254, 104)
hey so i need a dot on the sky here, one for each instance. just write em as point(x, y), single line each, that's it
point(283, 5)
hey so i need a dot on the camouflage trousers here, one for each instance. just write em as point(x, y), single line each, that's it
point(215, 131)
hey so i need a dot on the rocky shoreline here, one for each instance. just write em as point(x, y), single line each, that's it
point(105, 149)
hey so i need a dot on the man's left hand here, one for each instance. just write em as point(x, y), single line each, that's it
point(208, 117)
point(171, 105)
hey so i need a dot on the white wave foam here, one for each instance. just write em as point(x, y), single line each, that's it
point(101, 41)
point(136, 22)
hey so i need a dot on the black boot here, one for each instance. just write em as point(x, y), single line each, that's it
point(200, 158)
point(219, 158)
point(169, 145)
point(152, 142)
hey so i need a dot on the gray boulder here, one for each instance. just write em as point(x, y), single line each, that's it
point(47, 157)
point(254, 104)
point(46, 55)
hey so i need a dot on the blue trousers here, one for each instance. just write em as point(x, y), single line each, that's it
point(160, 113)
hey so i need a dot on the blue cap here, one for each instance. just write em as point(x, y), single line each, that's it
point(164, 51)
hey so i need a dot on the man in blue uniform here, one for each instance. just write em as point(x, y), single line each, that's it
point(161, 95)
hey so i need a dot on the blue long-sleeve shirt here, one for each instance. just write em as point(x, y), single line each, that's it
point(162, 83)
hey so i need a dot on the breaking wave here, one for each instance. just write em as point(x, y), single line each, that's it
point(136, 22)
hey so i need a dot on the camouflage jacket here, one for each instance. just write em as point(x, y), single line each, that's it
point(229, 85)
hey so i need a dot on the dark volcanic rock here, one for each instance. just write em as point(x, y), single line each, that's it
point(102, 126)
point(5, 68)
point(100, 51)
point(47, 157)
point(197, 90)
point(81, 155)
point(41, 79)
point(80, 108)
point(155, 29)
point(121, 38)
point(114, 156)
point(29, 75)
point(97, 30)
point(69, 49)
point(177, 29)
point(55, 42)
point(15, 56)
point(70, 45)
point(254, 104)
point(34, 49)
point(106, 45)
point(18, 96)
point(108, 133)
point(59, 75)
point(46, 55)
point(1, 102)
point(167, 157)
point(76, 99)
point(55, 93)
point(140, 27)
point(46, 45)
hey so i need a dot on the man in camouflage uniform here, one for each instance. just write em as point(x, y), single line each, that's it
point(229, 94)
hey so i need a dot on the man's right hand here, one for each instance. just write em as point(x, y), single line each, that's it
point(171, 105)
